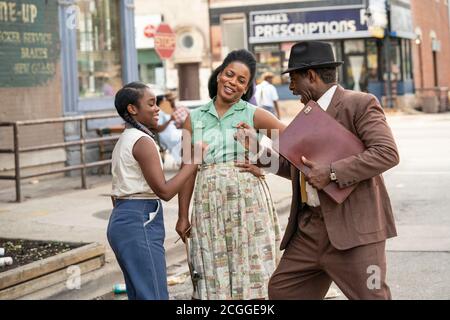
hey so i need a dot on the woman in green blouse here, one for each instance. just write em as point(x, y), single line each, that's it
point(234, 230)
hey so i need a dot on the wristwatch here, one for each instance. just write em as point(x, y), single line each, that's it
point(332, 174)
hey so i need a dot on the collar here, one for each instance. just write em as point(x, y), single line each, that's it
point(325, 100)
point(210, 107)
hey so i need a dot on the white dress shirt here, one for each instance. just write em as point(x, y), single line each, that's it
point(266, 94)
point(324, 103)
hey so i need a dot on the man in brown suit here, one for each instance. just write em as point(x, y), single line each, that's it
point(325, 241)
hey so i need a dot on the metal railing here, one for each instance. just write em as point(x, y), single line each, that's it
point(82, 142)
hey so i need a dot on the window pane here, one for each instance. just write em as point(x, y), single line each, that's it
point(99, 51)
point(268, 58)
point(406, 59)
point(354, 46)
point(372, 60)
point(395, 60)
point(233, 35)
point(354, 65)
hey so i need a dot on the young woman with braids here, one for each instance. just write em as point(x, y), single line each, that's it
point(136, 227)
point(235, 233)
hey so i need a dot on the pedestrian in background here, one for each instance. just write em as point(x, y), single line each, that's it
point(169, 127)
point(267, 96)
point(179, 112)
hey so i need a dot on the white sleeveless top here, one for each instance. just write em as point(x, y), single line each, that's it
point(127, 176)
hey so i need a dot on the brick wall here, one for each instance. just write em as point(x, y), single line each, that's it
point(432, 15)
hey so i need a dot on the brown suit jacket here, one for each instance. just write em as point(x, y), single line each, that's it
point(366, 215)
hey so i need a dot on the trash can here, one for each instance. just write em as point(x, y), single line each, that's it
point(428, 100)
point(443, 99)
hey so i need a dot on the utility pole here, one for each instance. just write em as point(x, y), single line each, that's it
point(387, 49)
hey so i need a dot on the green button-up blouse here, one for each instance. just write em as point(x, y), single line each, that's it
point(218, 133)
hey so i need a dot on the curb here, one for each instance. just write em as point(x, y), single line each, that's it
point(39, 275)
point(98, 284)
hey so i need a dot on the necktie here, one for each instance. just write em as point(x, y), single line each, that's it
point(303, 194)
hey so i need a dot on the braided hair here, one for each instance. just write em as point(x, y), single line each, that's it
point(130, 94)
point(243, 56)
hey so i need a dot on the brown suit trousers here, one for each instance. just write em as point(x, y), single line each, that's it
point(310, 263)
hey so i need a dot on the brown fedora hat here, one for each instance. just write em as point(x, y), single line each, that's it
point(310, 55)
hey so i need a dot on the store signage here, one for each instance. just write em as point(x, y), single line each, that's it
point(149, 31)
point(145, 27)
point(302, 24)
point(377, 18)
point(165, 41)
point(29, 42)
point(401, 21)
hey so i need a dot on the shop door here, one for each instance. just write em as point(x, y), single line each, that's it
point(355, 72)
point(188, 81)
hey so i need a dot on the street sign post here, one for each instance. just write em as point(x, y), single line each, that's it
point(165, 40)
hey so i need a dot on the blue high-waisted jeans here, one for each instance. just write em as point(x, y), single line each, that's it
point(136, 235)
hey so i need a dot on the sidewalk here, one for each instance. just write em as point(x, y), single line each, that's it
point(82, 216)
point(418, 259)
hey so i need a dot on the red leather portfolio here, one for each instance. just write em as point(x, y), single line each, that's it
point(320, 138)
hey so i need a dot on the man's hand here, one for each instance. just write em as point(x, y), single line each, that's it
point(319, 176)
point(247, 136)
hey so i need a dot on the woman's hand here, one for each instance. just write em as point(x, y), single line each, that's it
point(248, 167)
point(183, 228)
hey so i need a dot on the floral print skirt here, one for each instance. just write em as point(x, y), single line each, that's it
point(235, 235)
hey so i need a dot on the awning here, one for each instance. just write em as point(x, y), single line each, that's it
point(148, 56)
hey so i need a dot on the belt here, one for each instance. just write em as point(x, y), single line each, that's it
point(309, 213)
point(314, 210)
point(137, 196)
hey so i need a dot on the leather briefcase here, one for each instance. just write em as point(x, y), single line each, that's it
point(315, 135)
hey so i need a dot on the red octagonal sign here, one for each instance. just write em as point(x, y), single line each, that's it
point(165, 40)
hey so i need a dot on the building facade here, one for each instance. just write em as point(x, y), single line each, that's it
point(61, 58)
point(373, 62)
point(189, 68)
point(432, 45)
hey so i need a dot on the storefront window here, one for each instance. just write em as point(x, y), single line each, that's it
point(150, 67)
point(269, 58)
point(336, 46)
point(395, 60)
point(372, 61)
point(353, 46)
point(354, 67)
point(99, 49)
point(285, 53)
point(406, 58)
point(234, 33)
